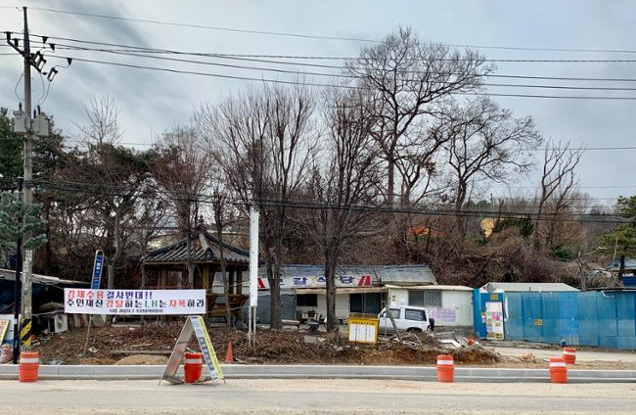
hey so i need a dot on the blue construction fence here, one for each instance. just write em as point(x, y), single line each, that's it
point(600, 319)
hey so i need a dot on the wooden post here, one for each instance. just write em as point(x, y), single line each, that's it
point(161, 284)
point(233, 287)
point(239, 284)
point(206, 277)
point(143, 286)
point(163, 278)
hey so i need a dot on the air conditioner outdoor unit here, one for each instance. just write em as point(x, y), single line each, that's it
point(58, 324)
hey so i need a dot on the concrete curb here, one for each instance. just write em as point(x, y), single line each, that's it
point(419, 373)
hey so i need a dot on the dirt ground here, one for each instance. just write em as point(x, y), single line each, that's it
point(151, 344)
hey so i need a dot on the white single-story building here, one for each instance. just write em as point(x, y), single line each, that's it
point(359, 288)
point(449, 305)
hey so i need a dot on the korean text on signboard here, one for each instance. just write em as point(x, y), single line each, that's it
point(318, 281)
point(134, 302)
point(97, 270)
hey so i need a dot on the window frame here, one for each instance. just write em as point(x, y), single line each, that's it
point(394, 311)
point(424, 296)
point(423, 314)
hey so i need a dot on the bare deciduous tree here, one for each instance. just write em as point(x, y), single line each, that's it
point(406, 77)
point(263, 141)
point(182, 171)
point(101, 124)
point(116, 177)
point(349, 179)
point(558, 179)
point(484, 141)
point(223, 217)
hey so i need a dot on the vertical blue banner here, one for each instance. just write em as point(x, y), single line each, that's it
point(98, 265)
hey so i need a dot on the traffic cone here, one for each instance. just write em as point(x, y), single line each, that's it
point(229, 356)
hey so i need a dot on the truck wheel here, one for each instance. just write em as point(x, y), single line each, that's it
point(414, 330)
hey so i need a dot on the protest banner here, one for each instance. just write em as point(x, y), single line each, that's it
point(134, 302)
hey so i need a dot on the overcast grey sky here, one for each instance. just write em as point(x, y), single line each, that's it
point(150, 102)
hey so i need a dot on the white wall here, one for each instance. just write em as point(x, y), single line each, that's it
point(398, 297)
point(456, 310)
point(462, 303)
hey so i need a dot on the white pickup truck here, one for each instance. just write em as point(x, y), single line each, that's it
point(409, 318)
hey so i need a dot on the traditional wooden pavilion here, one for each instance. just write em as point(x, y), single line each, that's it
point(167, 268)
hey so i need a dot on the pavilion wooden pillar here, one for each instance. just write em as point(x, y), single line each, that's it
point(239, 284)
point(206, 277)
point(232, 277)
point(163, 277)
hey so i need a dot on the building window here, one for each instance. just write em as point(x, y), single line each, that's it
point(307, 300)
point(424, 298)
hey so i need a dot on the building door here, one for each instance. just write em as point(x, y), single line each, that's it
point(367, 303)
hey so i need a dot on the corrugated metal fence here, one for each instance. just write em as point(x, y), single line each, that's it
point(602, 319)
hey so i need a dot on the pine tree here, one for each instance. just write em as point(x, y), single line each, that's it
point(12, 227)
point(623, 238)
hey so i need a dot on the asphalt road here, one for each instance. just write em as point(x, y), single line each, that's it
point(312, 397)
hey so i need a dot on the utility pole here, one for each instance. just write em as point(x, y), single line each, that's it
point(16, 292)
point(27, 285)
point(29, 123)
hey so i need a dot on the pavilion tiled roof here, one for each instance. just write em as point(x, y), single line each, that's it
point(204, 248)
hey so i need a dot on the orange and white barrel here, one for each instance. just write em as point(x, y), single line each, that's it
point(558, 370)
point(445, 369)
point(29, 367)
point(193, 367)
point(569, 355)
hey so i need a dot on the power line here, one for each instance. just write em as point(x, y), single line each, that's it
point(561, 60)
point(550, 216)
point(350, 58)
point(100, 187)
point(287, 82)
point(495, 60)
point(216, 75)
point(337, 75)
point(251, 58)
point(313, 205)
point(580, 187)
point(532, 49)
point(200, 26)
point(144, 144)
point(310, 36)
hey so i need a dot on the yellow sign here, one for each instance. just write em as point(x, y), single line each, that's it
point(538, 322)
point(194, 326)
point(363, 328)
point(494, 297)
point(209, 355)
point(4, 327)
point(25, 332)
